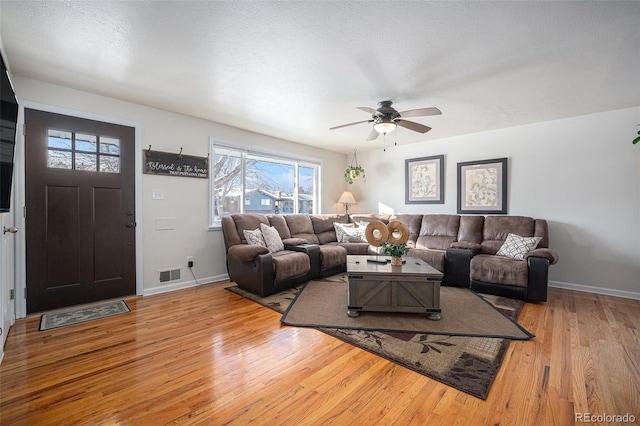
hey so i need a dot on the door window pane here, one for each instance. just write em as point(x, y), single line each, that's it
point(109, 164)
point(88, 162)
point(87, 143)
point(109, 145)
point(59, 159)
point(59, 139)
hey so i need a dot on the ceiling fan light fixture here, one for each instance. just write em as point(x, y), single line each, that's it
point(385, 126)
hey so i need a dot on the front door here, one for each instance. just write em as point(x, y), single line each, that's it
point(80, 216)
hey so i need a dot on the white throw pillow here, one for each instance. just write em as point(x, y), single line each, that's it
point(515, 246)
point(272, 238)
point(254, 237)
point(340, 227)
point(354, 235)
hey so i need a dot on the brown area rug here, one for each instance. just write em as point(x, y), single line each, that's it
point(467, 363)
point(322, 303)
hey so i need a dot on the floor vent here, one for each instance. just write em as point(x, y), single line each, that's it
point(169, 275)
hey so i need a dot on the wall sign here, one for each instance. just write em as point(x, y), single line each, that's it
point(175, 164)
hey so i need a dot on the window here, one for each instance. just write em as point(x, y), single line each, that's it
point(248, 180)
point(76, 151)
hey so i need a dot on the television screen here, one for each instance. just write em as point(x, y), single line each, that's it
point(8, 122)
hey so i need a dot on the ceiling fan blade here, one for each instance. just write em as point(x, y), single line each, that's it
point(421, 112)
point(369, 110)
point(373, 135)
point(350, 124)
point(411, 125)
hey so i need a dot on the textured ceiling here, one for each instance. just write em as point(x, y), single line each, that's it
point(294, 69)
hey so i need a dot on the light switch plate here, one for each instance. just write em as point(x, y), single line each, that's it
point(157, 194)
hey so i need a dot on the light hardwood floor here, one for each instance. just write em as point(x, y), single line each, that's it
point(205, 356)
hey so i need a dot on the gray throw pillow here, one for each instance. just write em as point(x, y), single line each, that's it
point(515, 246)
point(272, 238)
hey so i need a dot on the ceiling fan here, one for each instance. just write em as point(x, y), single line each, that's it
point(385, 119)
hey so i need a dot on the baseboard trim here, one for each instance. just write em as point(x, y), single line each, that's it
point(596, 290)
point(184, 284)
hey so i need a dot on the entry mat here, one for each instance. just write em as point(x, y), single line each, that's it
point(82, 314)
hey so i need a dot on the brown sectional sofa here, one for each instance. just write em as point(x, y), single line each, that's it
point(462, 247)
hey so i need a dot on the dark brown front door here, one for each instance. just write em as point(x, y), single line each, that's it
point(80, 216)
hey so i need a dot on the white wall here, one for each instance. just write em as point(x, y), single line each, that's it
point(581, 174)
point(185, 199)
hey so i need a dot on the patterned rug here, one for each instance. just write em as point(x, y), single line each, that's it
point(82, 314)
point(469, 364)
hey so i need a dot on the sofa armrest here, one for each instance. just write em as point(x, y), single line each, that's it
point(466, 245)
point(538, 279)
point(246, 252)
point(457, 266)
point(545, 253)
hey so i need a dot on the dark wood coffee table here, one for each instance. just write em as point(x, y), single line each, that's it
point(374, 285)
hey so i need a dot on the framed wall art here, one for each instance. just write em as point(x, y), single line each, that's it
point(482, 186)
point(424, 180)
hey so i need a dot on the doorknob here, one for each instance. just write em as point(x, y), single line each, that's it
point(11, 230)
point(130, 224)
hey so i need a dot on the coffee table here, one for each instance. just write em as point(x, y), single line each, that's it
point(374, 285)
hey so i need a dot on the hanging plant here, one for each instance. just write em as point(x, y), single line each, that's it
point(354, 170)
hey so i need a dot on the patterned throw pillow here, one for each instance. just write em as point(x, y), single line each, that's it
point(254, 237)
point(354, 235)
point(340, 227)
point(515, 246)
point(272, 238)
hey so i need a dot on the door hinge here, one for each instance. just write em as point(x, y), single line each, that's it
point(24, 129)
point(24, 211)
point(12, 294)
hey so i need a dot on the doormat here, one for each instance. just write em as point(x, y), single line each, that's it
point(82, 314)
point(469, 364)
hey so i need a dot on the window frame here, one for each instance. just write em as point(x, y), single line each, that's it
point(271, 154)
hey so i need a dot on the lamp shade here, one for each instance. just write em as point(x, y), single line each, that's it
point(347, 197)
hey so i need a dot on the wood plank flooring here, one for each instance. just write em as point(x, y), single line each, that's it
point(205, 356)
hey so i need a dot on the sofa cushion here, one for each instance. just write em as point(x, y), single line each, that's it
point(254, 237)
point(499, 270)
point(300, 226)
point(278, 222)
point(413, 222)
point(435, 258)
point(516, 246)
point(271, 238)
point(290, 264)
point(438, 231)
point(323, 226)
point(332, 255)
point(471, 229)
point(248, 221)
point(497, 228)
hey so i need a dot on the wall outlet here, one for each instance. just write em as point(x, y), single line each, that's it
point(190, 261)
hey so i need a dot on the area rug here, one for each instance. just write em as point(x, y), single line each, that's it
point(82, 314)
point(323, 304)
point(467, 363)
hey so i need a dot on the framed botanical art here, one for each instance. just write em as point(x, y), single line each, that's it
point(424, 180)
point(482, 186)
